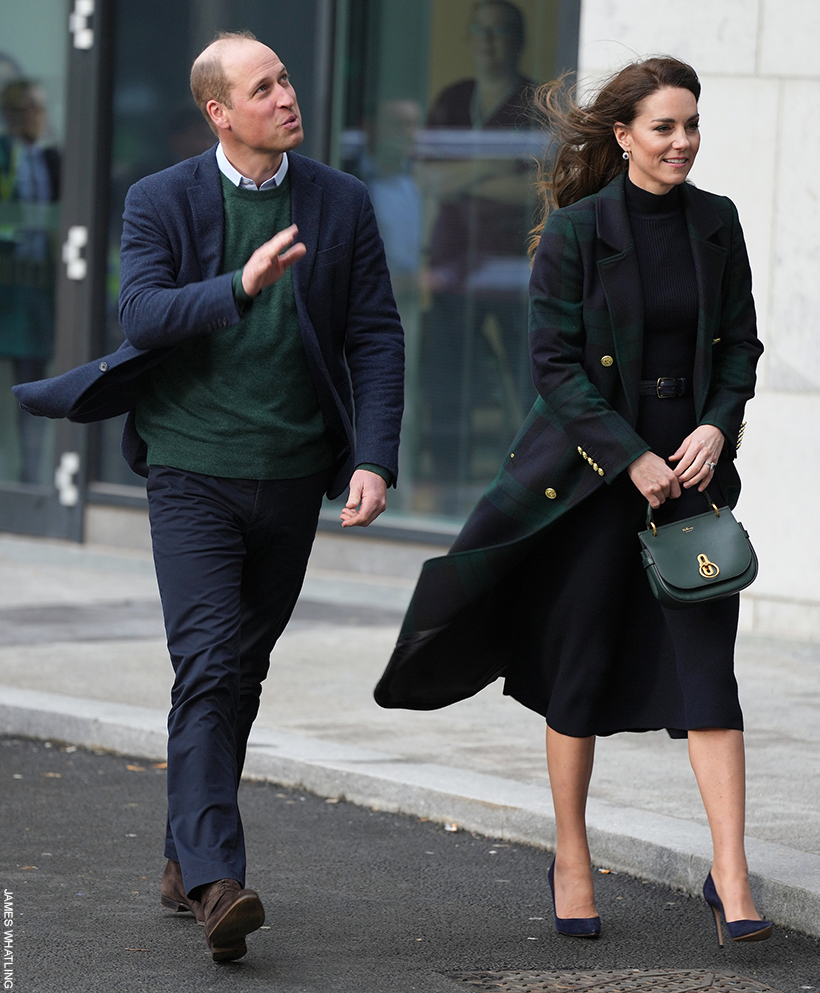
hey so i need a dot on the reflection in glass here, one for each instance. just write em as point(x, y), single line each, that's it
point(474, 372)
point(436, 120)
point(29, 222)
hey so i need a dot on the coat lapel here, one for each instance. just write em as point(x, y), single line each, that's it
point(205, 198)
point(710, 261)
point(306, 209)
point(621, 281)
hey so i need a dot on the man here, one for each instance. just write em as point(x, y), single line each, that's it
point(251, 350)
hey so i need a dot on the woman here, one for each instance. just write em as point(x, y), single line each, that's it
point(644, 346)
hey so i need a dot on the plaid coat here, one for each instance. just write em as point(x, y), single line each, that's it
point(586, 343)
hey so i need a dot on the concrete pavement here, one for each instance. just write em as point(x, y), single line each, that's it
point(82, 659)
point(356, 901)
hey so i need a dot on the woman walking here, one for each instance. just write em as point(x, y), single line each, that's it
point(643, 345)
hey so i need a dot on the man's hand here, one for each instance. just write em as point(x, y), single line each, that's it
point(270, 261)
point(368, 498)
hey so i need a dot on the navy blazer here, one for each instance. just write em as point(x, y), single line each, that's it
point(171, 292)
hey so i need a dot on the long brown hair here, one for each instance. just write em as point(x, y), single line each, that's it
point(585, 156)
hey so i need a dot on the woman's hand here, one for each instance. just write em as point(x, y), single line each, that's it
point(653, 477)
point(697, 456)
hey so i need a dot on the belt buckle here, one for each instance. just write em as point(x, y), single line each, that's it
point(669, 384)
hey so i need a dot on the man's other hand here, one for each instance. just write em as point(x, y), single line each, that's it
point(368, 498)
point(269, 262)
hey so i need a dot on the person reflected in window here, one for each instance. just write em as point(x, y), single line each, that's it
point(386, 166)
point(29, 182)
point(474, 352)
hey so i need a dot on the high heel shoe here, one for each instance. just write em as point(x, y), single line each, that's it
point(738, 930)
point(576, 927)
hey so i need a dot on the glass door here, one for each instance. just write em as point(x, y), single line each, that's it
point(51, 58)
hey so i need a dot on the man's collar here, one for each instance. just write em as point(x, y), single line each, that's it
point(243, 182)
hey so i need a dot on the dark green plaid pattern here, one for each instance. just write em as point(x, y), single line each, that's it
point(586, 341)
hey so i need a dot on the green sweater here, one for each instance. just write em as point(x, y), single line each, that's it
point(240, 402)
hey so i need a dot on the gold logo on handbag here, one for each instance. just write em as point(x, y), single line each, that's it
point(707, 569)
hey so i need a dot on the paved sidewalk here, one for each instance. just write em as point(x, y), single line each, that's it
point(82, 659)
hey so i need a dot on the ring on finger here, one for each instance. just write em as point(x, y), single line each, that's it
point(712, 466)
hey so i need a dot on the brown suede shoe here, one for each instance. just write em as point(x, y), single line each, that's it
point(230, 914)
point(173, 896)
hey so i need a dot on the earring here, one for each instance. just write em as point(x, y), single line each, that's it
point(626, 155)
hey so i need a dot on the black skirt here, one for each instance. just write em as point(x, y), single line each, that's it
point(591, 649)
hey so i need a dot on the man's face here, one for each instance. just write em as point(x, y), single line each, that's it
point(265, 114)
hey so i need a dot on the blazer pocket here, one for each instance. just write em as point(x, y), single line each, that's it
point(330, 255)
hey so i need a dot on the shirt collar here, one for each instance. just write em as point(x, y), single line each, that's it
point(243, 182)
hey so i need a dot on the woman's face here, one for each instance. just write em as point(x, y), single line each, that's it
point(662, 140)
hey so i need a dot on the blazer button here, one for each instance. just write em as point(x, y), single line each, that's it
point(103, 367)
point(550, 493)
point(607, 361)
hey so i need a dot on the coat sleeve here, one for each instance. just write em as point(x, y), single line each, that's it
point(558, 337)
point(156, 312)
point(374, 347)
point(737, 348)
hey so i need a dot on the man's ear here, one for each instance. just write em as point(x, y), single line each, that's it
point(216, 112)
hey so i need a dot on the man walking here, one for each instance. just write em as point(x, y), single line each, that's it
point(271, 372)
point(247, 425)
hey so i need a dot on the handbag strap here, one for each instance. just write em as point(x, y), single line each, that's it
point(650, 524)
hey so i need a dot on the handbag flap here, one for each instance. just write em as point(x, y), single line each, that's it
point(699, 551)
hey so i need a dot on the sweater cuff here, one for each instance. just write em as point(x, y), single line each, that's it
point(386, 474)
point(243, 301)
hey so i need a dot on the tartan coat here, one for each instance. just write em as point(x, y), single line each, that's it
point(172, 290)
point(586, 344)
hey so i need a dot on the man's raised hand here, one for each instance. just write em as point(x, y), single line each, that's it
point(269, 262)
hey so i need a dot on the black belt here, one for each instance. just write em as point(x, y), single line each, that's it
point(663, 387)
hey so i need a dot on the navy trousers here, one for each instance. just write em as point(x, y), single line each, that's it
point(230, 556)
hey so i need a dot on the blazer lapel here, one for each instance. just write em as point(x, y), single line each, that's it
point(306, 209)
point(710, 261)
point(205, 198)
point(621, 281)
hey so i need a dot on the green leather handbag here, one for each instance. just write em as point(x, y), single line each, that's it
point(706, 557)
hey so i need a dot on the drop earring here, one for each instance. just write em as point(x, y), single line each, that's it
point(626, 155)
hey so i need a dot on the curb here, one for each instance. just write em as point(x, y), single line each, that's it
point(654, 847)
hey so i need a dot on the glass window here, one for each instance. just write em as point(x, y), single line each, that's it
point(32, 108)
point(437, 123)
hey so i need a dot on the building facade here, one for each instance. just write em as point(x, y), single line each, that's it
point(428, 104)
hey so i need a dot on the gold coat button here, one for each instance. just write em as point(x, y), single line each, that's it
point(550, 493)
point(607, 361)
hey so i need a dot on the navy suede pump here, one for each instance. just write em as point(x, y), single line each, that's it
point(738, 930)
point(576, 927)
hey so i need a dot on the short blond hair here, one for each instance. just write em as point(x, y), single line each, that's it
point(209, 81)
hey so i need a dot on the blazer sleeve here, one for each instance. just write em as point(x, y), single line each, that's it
point(558, 336)
point(374, 347)
point(156, 312)
point(737, 348)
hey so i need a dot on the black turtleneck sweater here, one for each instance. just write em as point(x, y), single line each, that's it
point(670, 292)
